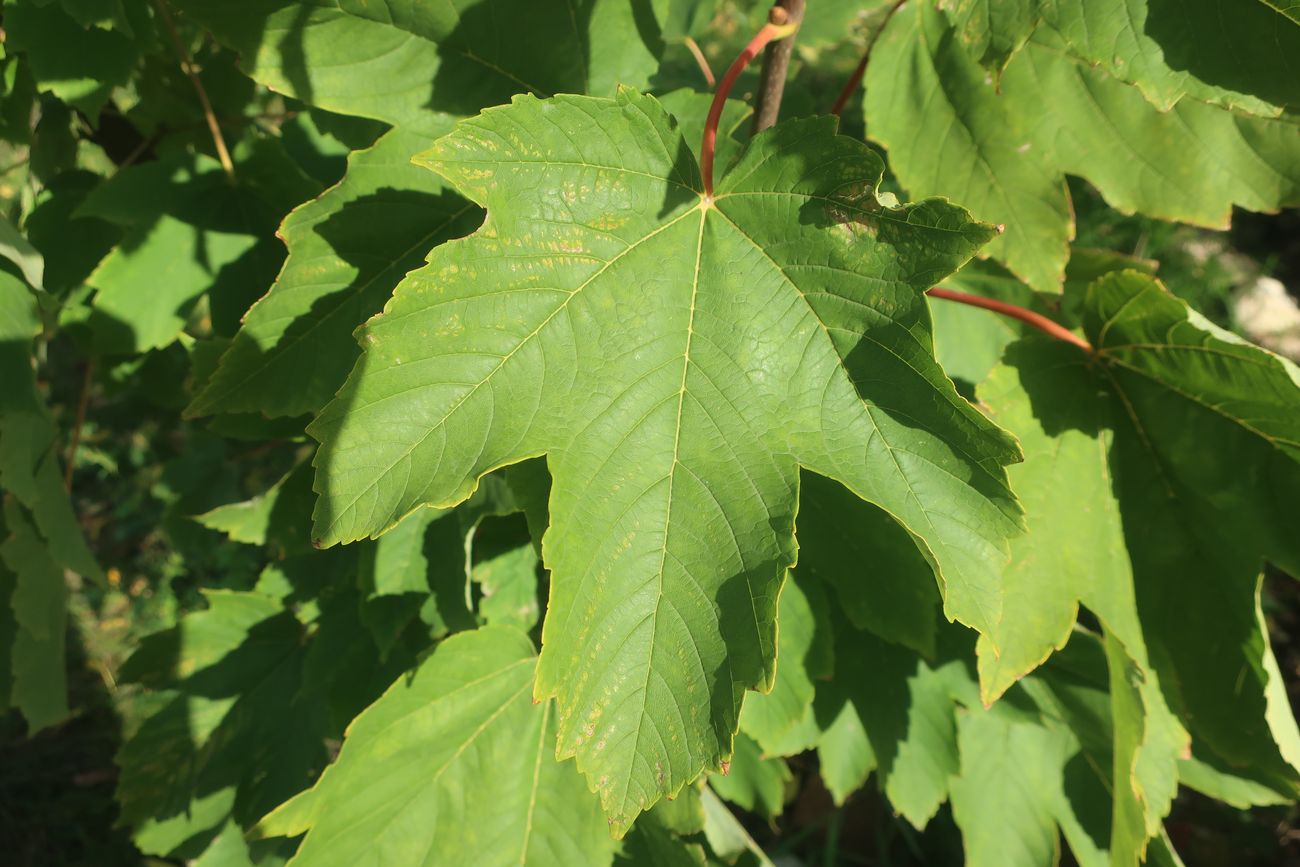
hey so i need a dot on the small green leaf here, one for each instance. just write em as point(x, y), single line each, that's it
point(272, 517)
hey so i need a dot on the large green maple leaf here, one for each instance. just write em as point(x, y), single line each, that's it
point(677, 357)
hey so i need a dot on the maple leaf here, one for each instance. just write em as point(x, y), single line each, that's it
point(677, 357)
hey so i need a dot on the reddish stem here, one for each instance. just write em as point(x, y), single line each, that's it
point(856, 78)
point(701, 61)
point(1029, 317)
point(777, 27)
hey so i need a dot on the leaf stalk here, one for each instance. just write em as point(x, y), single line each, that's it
point(778, 26)
point(860, 70)
point(187, 65)
point(1029, 317)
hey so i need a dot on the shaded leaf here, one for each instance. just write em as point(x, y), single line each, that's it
point(347, 250)
point(396, 64)
point(1002, 149)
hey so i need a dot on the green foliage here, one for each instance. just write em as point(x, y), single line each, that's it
point(431, 419)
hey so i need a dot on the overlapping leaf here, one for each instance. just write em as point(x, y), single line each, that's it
point(241, 700)
point(1243, 58)
point(597, 317)
point(347, 250)
point(1001, 148)
point(453, 762)
point(188, 231)
point(1206, 460)
point(455, 57)
point(1076, 551)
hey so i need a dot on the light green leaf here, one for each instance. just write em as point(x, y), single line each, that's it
point(29, 461)
point(727, 838)
point(272, 517)
point(1002, 800)
point(17, 249)
point(1149, 740)
point(993, 30)
point(397, 61)
point(1191, 164)
point(150, 284)
point(226, 681)
point(189, 231)
point(347, 250)
point(240, 700)
point(1238, 787)
point(1207, 451)
point(509, 583)
point(889, 709)
point(804, 620)
point(1002, 149)
point(949, 132)
point(417, 570)
point(1197, 49)
point(453, 762)
point(683, 815)
point(1047, 396)
point(844, 751)
point(671, 423)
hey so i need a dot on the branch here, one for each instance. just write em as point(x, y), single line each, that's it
point(1029, 317)
point(856, 78)
point(778, 26)
point(187, 64)
point(75, 441)
point(776, 63)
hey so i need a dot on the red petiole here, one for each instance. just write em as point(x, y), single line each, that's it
point(1029, 317)
point(778, 26)
point(856, 78)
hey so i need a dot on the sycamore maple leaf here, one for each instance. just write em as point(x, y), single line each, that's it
point(677, 357)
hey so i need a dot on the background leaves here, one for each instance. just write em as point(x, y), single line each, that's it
point(177, 658)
